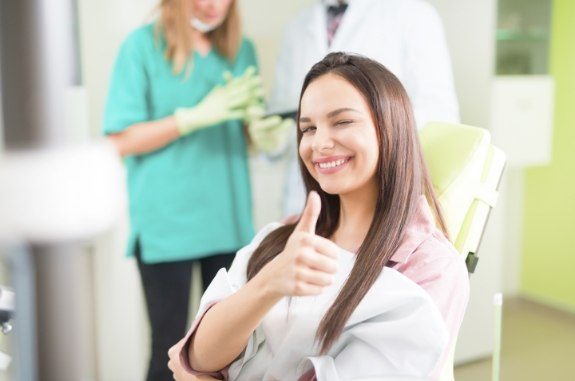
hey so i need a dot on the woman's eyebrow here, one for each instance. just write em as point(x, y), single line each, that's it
point(330, 114)
point(333, 113)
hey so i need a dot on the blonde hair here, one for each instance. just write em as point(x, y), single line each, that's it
point(175, 26)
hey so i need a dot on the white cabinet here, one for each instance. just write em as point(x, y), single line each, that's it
point(522, 118)
point(523, 91)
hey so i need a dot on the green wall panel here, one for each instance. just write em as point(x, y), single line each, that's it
point(548, 262)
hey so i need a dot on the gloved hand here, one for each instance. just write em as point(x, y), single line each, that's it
point(224, 102)
point(269, 135)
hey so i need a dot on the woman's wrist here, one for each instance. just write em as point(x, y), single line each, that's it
point(186, 120)
point(264, 285)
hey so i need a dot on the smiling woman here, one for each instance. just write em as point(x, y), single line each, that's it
point(366, 284)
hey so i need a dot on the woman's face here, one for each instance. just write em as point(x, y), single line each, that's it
point(339, 144)
point(211, 12)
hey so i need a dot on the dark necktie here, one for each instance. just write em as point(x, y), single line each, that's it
point(334, 16)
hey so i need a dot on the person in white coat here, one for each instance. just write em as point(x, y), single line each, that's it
point(404, 35)
point(365, 285)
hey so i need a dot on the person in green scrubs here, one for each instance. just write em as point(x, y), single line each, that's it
point(178, 99)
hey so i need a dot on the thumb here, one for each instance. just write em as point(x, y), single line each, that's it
point(256, 111)
point(249, 72)
point(228, 76)
point(308, 219)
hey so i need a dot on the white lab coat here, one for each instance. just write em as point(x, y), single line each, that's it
point(404, 35)
point(396, 332)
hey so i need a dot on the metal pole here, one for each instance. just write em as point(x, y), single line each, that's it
point(495, 366)
point(21, 263)
point(38, 63)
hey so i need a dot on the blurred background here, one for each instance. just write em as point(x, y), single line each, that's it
point(514, 70)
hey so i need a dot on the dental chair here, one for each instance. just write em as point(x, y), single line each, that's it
point(465, 169)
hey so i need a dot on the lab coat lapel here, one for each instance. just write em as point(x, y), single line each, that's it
point(317, 28)
point(349, 25)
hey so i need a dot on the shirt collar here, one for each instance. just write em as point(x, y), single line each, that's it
point(420, 227)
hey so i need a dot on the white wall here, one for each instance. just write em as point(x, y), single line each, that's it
point(470, 32)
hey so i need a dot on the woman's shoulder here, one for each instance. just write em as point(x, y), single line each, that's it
point(247, 48)
point(243, 256)
point(141, 37)
point(267, 229)
point(247, 251)
point(437, 246)
point(437, 257)
point(435, 265)
point(247, 43)
point(439, 269)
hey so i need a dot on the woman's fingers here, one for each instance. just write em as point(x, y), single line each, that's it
point(248, 73)
point(324, 246)
point(320, 262)
point(306, 289)
point(237, 115)
point(243, 97)
point(314, 277)
point(245, 84)
point(240, 100)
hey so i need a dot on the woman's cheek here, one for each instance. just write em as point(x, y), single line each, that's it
point(305, 149)
point(305, 153)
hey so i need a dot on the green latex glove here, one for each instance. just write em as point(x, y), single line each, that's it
point(270, 134)
point(224, 102)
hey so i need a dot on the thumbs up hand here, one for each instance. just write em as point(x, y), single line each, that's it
point(308, 262)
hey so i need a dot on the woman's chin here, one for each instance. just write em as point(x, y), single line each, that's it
point(332, 189)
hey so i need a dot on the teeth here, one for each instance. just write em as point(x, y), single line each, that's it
point(331, 164)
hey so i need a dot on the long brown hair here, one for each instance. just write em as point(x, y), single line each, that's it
point(175, 27)
point(401, 175)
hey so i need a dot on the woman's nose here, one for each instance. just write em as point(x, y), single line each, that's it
point(322, 140)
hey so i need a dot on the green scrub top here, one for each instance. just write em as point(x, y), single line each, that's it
point(191, 198)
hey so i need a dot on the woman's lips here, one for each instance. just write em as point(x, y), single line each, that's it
point(332, 164)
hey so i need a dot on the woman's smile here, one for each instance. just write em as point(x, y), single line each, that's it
point(331, 164)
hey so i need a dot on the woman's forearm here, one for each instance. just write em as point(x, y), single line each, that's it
point(145, 137)
point(225, 329)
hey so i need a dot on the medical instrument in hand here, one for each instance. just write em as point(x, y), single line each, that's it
point(223, 103)
point(269, 134)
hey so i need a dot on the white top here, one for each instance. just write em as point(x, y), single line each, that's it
point(396, 332)
point(404, 35)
